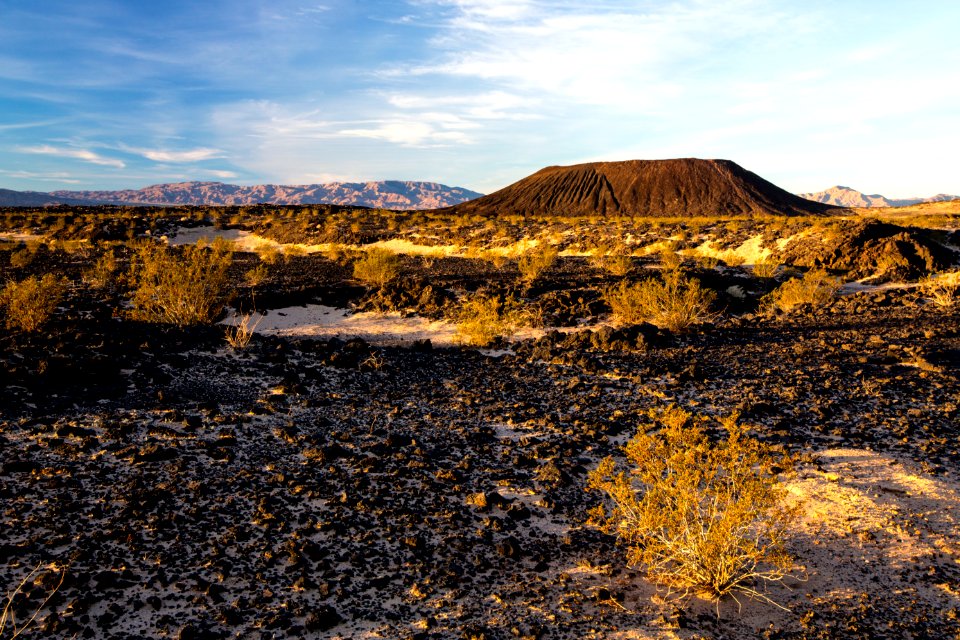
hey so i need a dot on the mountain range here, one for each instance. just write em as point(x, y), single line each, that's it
point(388, 194)
point(847, 197)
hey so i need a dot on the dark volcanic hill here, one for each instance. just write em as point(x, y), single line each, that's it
point(388, 194)
point(681, 187)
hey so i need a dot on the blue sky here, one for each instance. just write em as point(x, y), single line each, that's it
point(477, 93)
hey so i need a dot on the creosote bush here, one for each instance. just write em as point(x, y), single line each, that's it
point(377, 267)
point(183, 287)
point(535, 262)
point(703, 518)
point(483, 317)
point(29, 303)
point(816, 287)
point(673, 302)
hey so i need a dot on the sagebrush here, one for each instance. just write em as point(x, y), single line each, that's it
point(702, 517)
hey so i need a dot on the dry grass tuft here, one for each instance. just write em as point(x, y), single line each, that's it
point(535, 262)
point(942, 288)
point(482, 318)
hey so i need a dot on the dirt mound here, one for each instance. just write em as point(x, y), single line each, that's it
point(872, 248)
point(683, 187)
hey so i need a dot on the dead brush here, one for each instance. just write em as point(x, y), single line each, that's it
point(42, 575)
point(704, 518)
point(942, 288)
point(240, 331)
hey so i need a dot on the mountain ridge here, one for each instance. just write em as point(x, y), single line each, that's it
point(388, 194)
point(842, 196)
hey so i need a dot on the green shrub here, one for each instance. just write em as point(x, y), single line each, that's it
point(482, 317)
point(536, 261)
point(29, 303)
point(378, 267)
point(702, 517)
point(674, 301)
point(183, 287)
point(816, 287)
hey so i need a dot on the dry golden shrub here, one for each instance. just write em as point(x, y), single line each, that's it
point(483, 317)
point(704, 518)
point(942, 288)
point(816, 287)
point(377, 267)
point(29, 303)
point(535, 262)
point(179, 287)
point(765, 269)
point(674, 301)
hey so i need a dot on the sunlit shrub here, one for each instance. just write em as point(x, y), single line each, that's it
point(377, 267)
point(179, 287)
point(702, 517)
point(673, 301)
point(29, 303)
point(816, 287)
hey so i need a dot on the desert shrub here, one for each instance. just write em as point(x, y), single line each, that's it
point(615, 259)
point(377, 267)
point(816, 287)
point(942, 289)
point(702, 517)
point(269, 254)
point(536, 261)
point(483, 317)
point(674, 301)
point(102, 272)
point(765, 268)
point(29, 303)
point(22, 257)
point(669, 259)
point(257, 275)
point(182, 288)
point(42, 578)
point(708, 263)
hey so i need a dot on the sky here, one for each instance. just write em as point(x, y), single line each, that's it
point(109, 94)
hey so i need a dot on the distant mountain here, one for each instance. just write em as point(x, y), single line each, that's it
point(847, 197)
point(389, 194)
point(9, 198)
point(680, 187)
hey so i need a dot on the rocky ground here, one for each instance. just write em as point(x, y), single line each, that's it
point(305, 488)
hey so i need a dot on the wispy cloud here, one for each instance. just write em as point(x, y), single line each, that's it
point(78, 154)
point(226, 175)
point(409, 132)
point(165, 155)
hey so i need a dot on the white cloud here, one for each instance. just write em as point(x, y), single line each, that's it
point(193, 155)
point(226, 175)
point(79, 154)
point(408, 132)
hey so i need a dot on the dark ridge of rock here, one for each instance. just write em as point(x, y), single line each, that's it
point(681, 187)
point(872, 248)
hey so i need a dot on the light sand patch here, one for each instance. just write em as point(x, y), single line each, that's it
point(751, 251)
point(16, 236)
